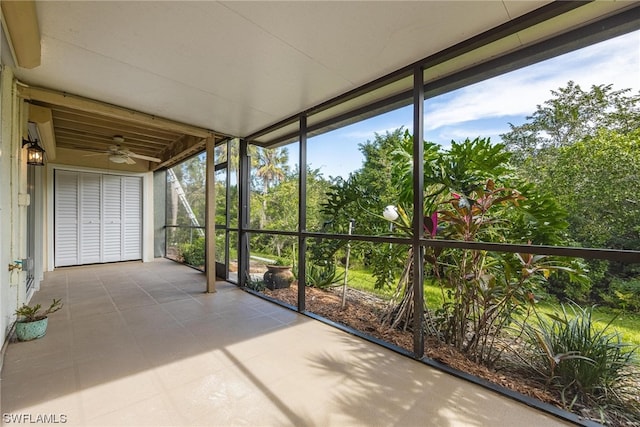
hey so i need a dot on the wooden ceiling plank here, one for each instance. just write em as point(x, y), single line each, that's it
point(79, 137)
point(108, 132)
point(181, 149)
point(112, 111)
point(81, 143)
point(79, 140)
point(132, 128)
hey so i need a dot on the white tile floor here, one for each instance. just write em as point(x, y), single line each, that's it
point(141, 344)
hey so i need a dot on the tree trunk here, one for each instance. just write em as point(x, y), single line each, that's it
point(400, 314)
point(263, 214)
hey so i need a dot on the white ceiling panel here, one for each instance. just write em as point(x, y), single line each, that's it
point(364, 40)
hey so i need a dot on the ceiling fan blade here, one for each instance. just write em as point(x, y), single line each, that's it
point(130, 161)
point(94, 154)
point(140, 156)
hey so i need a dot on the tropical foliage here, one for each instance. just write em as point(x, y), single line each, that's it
point(588, 365)
point(467, 198)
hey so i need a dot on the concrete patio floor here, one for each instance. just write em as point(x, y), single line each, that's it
point(141, 344)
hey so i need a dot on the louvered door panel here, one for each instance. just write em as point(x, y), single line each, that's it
point(132, 218)
point(90, 241)
point(66, 219)
point(112, 218)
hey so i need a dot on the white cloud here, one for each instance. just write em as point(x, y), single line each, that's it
point(369, 133)
point(459, 133)
point(615, 61)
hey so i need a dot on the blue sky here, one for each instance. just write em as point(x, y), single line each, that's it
point(485, 109)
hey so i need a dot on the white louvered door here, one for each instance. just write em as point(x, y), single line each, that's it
point(98, 218)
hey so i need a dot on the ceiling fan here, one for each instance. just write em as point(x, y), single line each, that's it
point(119, 154)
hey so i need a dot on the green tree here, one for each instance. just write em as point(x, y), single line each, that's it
point(582, 146)
point(597, 180)
point(362, 197)
point(282, 207)
point(572, 115)
point(272, 166)
point(270, 170)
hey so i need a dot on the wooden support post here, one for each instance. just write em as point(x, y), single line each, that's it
point(210, 217)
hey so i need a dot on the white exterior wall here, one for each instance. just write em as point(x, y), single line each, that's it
point(5, 194)
point(13, 199)
point(13, 215)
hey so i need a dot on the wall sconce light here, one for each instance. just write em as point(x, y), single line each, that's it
point(35, 154)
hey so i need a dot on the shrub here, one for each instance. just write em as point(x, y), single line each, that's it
point(282, 261)
point(28, 313)
point(321, 276)
point(568, 352)
point(624, 294)
point(193, 253)
point(255, 284)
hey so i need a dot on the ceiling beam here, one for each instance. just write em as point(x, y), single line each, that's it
point(43, 119)
point(23, 31)
point(108, 110)
point(181, 149)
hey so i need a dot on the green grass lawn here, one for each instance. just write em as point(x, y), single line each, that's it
point(363, 280)
point(627, 324)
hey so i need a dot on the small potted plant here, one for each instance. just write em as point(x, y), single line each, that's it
point(32, 323)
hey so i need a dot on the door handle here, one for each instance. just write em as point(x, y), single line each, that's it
point(17, 265)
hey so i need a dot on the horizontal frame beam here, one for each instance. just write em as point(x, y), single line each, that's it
point(586, 253)
point(108, 110)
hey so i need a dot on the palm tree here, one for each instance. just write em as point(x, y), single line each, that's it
point(271, 169)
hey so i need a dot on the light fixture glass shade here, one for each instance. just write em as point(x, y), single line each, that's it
point(390, 213)
point(35, 154)
point(117, 158)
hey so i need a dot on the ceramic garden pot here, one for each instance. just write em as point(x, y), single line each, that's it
point(27, 331)
point(278, 276)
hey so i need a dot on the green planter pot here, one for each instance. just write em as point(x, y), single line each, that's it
point(27, 331)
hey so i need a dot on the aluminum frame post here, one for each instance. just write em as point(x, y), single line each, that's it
point(243, 211)
point(418, 211)
point(302, 215)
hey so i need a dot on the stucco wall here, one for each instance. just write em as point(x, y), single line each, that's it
point(11, 224)
point(5, 214)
